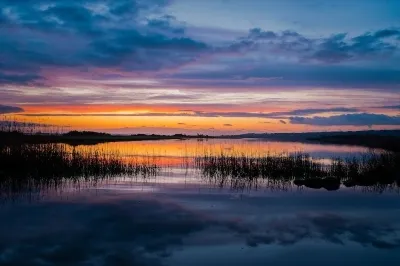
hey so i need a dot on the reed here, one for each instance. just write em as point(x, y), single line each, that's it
point(9, 124)
point(301, 169)
point(24, 166)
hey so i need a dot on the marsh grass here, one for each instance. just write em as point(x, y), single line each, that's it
point(37, 167)
point(370, 169)
point(31, 166)
point(9, 124)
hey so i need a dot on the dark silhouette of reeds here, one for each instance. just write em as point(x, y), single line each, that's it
point(11, 125)
point(368, 170)
point(27, 166)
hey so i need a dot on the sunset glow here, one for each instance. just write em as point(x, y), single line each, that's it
point(134, 66)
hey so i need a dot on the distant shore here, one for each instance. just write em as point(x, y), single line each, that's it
point(86, 138)
point(385, 139)
point(376, 139)
point(377, 142)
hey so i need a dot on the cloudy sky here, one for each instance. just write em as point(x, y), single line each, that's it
point(210, 66)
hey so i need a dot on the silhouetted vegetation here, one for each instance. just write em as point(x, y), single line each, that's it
point(377, 139)
point(387, 142)
point(371, 169)
point(31, 157)
point(75, 133)
point(24, 166)
point(13, 131)
point(10, 125)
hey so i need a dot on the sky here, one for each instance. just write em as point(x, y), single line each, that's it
point(213, 67)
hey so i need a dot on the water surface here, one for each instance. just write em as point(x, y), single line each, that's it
point(182, 218)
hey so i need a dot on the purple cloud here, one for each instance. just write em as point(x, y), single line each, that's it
point(4, 109)
point(363, 119)
point(76, 34)
point(188, 112)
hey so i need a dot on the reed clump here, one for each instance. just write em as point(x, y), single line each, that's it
point(28, 164)
point(300, 168)
point(11, 126)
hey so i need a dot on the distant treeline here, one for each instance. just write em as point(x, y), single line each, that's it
point(84, 137)
point(12, 130)
point(75, 133)
point(387, 142)
point(379, 139)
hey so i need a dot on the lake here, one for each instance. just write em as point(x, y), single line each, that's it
point(180, 217)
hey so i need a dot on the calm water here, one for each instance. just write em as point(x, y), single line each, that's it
point(180, 218)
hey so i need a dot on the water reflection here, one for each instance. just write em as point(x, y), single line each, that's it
point(192, 147)
point(115, 226)
point(52, 169)
point(152, 203)
point(180, 216)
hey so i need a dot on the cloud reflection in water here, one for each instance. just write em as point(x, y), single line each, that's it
point(114, 228)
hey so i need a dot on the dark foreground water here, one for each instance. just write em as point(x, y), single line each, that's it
point(180, 218)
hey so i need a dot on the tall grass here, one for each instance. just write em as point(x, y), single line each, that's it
point(24, 166)
point(301, 169)
point(10, 124)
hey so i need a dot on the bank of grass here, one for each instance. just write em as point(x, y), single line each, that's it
point(23, 166)
point(367, 170)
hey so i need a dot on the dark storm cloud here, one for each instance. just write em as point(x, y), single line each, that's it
point(121, 35)
point(286, 41)
point(339, 60)
point(21, 79)
point(337, 49)
point(144, 52)
point(4, 109)
point(166, 23)
point(266, 74)
point(79, 34)
point(333, 49)
point(387, 33)
point(363, 119)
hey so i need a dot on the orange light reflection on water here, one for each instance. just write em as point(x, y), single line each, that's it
point(171, 152)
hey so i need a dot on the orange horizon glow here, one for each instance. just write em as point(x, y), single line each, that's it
point(174, 119)
point(179, 124)
point(139, 108)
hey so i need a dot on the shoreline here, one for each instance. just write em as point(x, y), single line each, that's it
point(374, 140)
point(85, 140)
